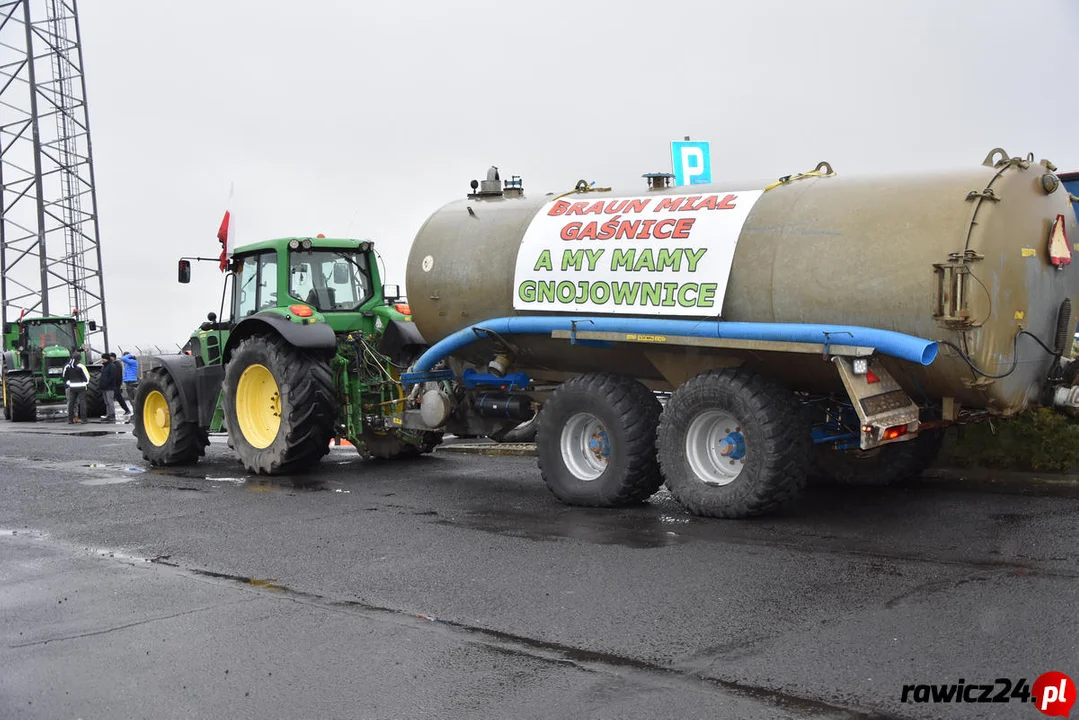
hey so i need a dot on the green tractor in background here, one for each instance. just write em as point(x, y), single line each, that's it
point(35, 351)
point(311, 352)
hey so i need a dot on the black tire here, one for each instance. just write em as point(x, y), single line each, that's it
point(628, 412)
point(766, 418)
point(22, 396)
point(893, 464)
point(95, 399)
point(184, 442)
point(307, 406)
point(523, 433)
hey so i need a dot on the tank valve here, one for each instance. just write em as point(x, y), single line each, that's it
point(1050, 183)
point(500, 365)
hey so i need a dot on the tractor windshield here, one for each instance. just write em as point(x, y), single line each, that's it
point(45, 334)
point(330, 280)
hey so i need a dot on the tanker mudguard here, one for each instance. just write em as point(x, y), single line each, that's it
point(316, 336)
point(401, 342)
point(181, 368)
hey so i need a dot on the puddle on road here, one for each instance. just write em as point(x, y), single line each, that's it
point(130, 473)
point(646, 532)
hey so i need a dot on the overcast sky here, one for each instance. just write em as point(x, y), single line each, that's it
point(362, 118)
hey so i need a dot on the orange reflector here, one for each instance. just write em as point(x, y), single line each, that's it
point(893, 432)
point(301, 310)
point(1059, 251)
point(871, 377)
point(403, 308)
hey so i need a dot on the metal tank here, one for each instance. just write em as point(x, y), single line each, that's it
point(961, 257)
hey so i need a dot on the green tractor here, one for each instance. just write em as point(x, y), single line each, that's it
point(311, 353)
point(35, 351)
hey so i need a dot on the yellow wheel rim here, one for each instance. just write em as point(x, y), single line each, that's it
point(258, 406)
point(156, 419)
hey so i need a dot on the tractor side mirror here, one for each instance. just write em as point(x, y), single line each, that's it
point(92, 325)
point(340, 274)
point(183, 273)
point(390, 293)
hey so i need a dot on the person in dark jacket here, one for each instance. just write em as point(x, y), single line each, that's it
point(107, 384)
point(120, 385)
point(76, 378)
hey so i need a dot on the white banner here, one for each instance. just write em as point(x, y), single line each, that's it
point(668, 254)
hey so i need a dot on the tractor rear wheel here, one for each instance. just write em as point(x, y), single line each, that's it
point(162, 430)
point(21, 397)
point(280, 405)
point(95, 399)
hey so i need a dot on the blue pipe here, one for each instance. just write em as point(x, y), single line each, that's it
point(888, 342)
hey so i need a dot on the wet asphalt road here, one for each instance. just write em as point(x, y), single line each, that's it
point(456, 586)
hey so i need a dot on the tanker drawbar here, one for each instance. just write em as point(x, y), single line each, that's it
point(730, 341)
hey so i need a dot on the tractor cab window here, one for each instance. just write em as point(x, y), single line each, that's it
point(256, 285)
point(330, 280)
point(42, 335)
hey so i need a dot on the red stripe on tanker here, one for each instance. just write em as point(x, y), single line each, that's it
point(630, 254)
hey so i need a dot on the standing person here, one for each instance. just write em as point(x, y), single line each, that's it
point(107, 382)
point(131, 375)
point(120, 385)
point(76, 378)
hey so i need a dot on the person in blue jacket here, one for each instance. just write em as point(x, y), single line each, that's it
point(131, 375)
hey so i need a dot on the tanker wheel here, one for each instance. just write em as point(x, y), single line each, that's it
point(596, 441)
point(163, 433)
point(22, 397)
point(279, 405)
point(893, 464)
point(95, 399)
point(732, 445)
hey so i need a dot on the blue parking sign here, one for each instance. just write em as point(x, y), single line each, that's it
point(691, 162)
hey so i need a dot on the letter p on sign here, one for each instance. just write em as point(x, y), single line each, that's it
point(692, 163)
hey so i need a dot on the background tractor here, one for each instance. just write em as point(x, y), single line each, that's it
point(310, 351)
point(35, 351)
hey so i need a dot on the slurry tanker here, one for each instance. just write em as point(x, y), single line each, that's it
point(725, 340)
point(818, 324)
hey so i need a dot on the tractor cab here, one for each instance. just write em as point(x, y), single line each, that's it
point(284, 283)
point(43, 344)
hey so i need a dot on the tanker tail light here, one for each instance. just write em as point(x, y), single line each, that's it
point(893, 432)
point(403, 308)
point(1059, 251)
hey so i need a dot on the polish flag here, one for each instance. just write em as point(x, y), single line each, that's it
point(226, 234)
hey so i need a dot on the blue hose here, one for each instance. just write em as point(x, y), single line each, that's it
point(888, 342)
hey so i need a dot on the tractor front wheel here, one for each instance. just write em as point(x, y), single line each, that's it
point(162, 429)
point(21, 397)
point(279, 405)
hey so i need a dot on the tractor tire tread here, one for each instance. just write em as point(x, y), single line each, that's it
point(23, 393)
point(187, 441)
